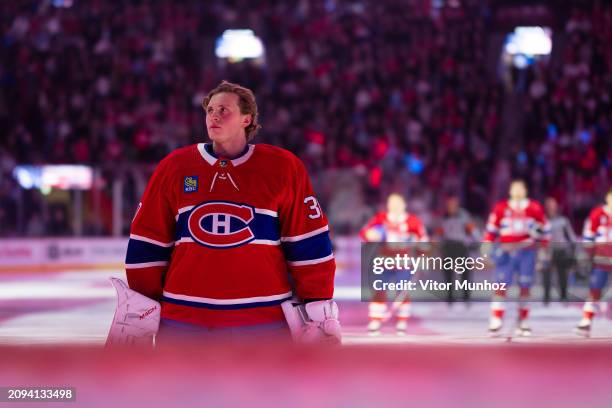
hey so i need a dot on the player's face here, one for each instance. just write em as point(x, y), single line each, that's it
point(518, 191)
point(452, 205)
point(609, 200)
point(224, 121)
point(396, 205)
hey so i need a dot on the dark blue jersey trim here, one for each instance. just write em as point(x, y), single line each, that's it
point(143, 252)
point(223, 307)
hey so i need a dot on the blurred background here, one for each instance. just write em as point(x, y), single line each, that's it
point(423, 97)
point(428, 98)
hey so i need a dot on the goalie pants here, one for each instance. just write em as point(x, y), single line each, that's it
point(172, 332)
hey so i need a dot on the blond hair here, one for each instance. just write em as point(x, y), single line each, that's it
point(246, 103)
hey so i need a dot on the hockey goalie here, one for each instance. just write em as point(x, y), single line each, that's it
point(227, 231)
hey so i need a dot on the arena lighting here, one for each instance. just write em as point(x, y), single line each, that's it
point(236, 45)
point(529, 41)
point(63, 177)
point(62, 3)
point(414, 164)
point(520, 61)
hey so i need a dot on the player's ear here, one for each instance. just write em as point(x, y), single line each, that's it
point(246, 120)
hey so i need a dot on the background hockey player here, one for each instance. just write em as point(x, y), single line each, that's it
point(221, 228)
point(395, 225)
point(597, 236)
point(456, 232)
point(517, 224)
point(562, 250)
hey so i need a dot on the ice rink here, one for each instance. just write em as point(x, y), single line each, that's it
point(76, 307)
point(53, 326)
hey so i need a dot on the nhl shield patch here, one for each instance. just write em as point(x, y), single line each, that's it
point(190, 185)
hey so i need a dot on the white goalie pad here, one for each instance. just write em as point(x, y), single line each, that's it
point(314, 322)
point(136, 318)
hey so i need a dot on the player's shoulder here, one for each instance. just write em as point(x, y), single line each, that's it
point(380, 216)
point(535, 205)
point(276, 156)
point(413, 219)
point(597, 212)
point(179, 157)
point(500, 205)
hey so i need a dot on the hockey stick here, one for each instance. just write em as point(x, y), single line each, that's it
point(397, 302)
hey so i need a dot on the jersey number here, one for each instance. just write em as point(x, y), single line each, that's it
point(313, 205)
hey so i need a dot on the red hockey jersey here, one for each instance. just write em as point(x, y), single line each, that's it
point(524, 222)
point(216, 240)
point(405, 230)
point(598, 231)
point(408, 229)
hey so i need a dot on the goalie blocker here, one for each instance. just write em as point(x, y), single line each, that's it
point(136, 319)
point(313, 322)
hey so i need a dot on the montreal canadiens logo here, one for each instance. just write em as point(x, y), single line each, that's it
point(221, 224)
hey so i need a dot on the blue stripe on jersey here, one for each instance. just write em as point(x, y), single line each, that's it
point(264, 227)
point(315, 247)
point(224, 307)
point(141, 252)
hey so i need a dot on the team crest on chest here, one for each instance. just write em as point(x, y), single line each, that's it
point(221, 224)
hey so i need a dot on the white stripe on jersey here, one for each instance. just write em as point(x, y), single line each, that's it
point(151, 241)
point(304, 236)
point(255, 241)
point(602, 260)
point(311, 261)
point(145, 264)
point(205, 155)
point(266, 212)
point(264, 242)
point(210, 159)
point(184, 240)
point(182, 210)
point(237, 301)
point(247, 155)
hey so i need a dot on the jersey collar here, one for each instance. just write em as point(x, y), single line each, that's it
point(518, 205)
point(395, 219)
point(211, 158)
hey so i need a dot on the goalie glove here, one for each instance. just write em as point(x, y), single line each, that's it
point(313, 322)
point(375, 234)
point(136, 318)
